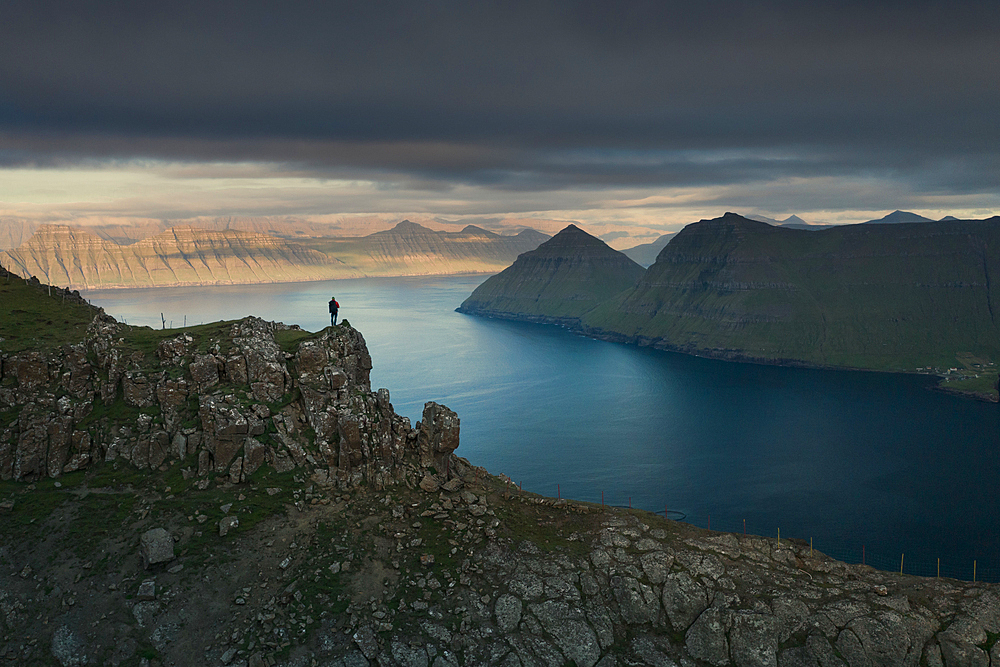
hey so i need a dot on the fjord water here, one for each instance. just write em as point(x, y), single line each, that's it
point(857, 461)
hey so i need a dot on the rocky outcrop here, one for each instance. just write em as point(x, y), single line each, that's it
point(476, 576)
point(381, 547)
point(225, 406)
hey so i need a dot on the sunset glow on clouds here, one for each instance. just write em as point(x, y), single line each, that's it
point(640, 117)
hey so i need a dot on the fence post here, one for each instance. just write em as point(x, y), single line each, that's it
point(901, 556)
point(973, 571)
point(558, 493)
point(810, 547)
point(939, 568)
point(779, 538)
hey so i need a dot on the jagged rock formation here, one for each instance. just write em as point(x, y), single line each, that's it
point(62, 255)
point(559, 281)
point(226, 404)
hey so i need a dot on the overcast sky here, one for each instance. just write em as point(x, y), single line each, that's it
point(646, 114)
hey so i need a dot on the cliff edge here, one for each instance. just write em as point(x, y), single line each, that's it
point(235, 494)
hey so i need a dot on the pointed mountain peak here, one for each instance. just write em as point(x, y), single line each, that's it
point(478, 231)
point(571, 235)
point(407, 226)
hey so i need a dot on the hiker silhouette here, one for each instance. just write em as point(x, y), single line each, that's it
point(334, 307)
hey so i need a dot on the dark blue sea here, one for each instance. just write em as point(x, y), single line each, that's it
point(868, 465)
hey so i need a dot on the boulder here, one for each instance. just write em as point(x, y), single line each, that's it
point(155, 546)
point(227, 524)
point(68, 648)
point(508, 612)
point(429, 484)
point(147, 591)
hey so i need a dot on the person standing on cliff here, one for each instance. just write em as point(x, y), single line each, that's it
point(334, 307)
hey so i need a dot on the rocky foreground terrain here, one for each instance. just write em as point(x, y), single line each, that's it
point(237, 495)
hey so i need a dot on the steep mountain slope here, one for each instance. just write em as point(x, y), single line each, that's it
point(560, 280)
point(179, 256)
point(645, 254)
point(64, 255)
point(15, 232)
point(895, 297)
point(412, 249)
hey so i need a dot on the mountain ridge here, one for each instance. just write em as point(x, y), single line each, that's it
point(560, 279)
point(901, 297)
point(186, 255)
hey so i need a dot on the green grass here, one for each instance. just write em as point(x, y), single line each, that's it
point(31, 319)
point(34, 506)
point(548, 528)
point(985, 385)
point(98, 516)
point(883, 297)
point(117, 411)
point(289, 339)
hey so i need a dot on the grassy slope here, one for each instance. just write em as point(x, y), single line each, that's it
point(883, 297)
point(563, 278)
point(32, 318)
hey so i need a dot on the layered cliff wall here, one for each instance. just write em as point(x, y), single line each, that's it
point(62, 255)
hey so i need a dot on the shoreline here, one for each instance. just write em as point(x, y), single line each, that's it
point(573, 325)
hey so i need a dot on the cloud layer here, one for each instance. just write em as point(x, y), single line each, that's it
point(544, 108)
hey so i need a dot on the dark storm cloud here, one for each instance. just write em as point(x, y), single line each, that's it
point(519, 95)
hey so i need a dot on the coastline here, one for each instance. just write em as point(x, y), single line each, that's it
point(574, 325)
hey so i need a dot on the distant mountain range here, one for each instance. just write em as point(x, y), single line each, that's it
point(645, 254)
point(66, 256)
point(892, 297)
point(795, 222)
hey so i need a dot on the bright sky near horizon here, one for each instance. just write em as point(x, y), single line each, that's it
point(632, 118)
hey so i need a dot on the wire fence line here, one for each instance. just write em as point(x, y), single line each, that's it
point(879, 558)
